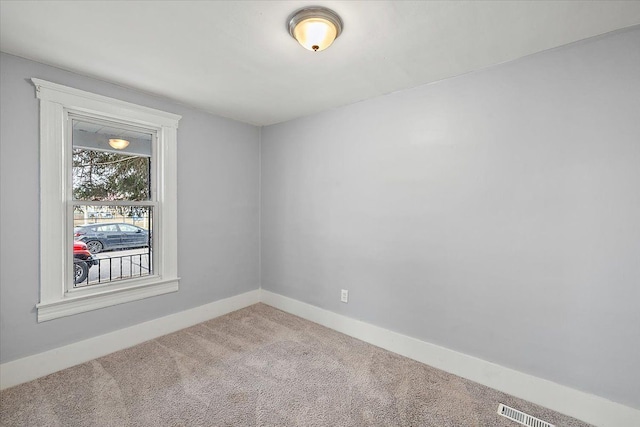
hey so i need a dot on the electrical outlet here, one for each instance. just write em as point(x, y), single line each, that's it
point(344, 295)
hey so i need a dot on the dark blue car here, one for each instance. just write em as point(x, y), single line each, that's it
point(113, 235)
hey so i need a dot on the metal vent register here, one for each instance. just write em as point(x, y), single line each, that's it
point(521, 417)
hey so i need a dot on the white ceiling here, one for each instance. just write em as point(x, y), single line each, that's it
point(236, 59)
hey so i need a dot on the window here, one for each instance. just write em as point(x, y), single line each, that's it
point(108, 230)
point(114, 187)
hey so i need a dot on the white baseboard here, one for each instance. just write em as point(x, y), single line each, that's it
point(583, 406)
point(41, 364)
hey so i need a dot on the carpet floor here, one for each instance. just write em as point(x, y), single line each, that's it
point(258, 366)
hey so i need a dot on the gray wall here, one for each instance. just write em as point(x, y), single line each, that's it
point(496, 213)
point(218, 224)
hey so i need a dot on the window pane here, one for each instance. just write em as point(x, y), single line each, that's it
point(110, 163)
point(111, 243)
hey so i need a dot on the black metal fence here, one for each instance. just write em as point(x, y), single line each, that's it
point(114, 268)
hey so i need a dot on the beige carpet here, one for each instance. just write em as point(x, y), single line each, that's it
point(258, 367)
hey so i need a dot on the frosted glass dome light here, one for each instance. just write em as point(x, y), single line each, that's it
point(315, 28)
point(118, 144)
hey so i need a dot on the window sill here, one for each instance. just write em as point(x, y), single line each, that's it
point(71, 305)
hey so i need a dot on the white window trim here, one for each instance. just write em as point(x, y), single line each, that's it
point(55, 101)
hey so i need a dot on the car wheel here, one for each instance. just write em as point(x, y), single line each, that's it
point(80, 272)
point(94, 246)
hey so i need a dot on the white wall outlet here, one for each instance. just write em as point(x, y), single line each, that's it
point(344, 295)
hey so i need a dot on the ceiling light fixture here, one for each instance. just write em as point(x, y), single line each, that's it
point(118, 144)
point(315, 28)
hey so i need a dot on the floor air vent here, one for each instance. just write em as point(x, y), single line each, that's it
point(521, 417)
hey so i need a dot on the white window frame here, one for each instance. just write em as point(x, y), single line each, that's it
point(56, 102)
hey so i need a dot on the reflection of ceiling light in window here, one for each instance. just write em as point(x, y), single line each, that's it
point(118, 144)
point(315, 28)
